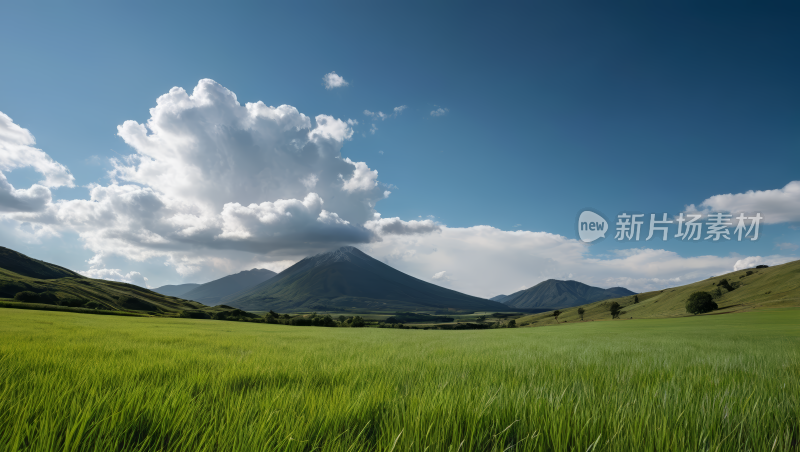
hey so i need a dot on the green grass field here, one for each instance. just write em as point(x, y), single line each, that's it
point(87, 382)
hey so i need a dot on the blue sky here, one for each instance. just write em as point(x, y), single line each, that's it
point(550, 108)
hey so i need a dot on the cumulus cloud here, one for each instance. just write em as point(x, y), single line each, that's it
point(752, 261)
point(333, 80)
point(209, 173)
point(17, 151)
point(439, 112)
point(396, 226)
point(781, 205)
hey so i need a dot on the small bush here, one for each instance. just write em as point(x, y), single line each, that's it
point(749, 272)
point(699, 303)
point(725, 285)
point(512, 323)
point(635, 299)
point(192, 314)
point(32, 297)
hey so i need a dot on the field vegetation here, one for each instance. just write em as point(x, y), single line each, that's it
point(79, 382)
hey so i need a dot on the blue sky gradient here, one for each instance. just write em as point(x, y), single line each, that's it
point(551, 107)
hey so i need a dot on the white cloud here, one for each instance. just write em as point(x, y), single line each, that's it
point(373, 129)
point(115, 274)
point(333, 80)
point(490, 261)
point(211, 178)
point(396, 226)
point(363, 177)
point(17, 151)
point(781, 205)
point(439, 112)
point(383, 116)
point(752, 261)
point(442, 278)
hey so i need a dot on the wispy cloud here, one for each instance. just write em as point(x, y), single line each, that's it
point(439, 112)
point(383, 116)
point(786, 246)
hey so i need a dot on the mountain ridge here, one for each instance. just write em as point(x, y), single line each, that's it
point(228, 287)
point(346, 279)
point(558, 294)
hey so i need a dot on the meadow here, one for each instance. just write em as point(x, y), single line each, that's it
point(79, 382)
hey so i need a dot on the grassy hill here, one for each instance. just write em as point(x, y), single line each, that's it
point(51, 287)
point(33, 268)
point(777, 286)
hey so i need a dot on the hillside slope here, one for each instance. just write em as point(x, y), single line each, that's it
point(32, 268)
point(224, 289)
point(74, 290)
point(557, 294)
point(777, 286)
point(348, 279)
point(175, 290)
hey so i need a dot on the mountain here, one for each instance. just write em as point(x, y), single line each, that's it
point(499, 298)
point(175, 290)
point(776, 287)
point(32, 268)
point(555, 294)
point(229, 287)
point(46, 285)
point(348, 279)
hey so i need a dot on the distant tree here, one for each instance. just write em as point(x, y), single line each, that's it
point(580, 312)
point(481, 319)
point(274, 314)
point(342, 319)
point(615, 310)
point(512, 323)
point(556, 313)
point(357, 322)
point(749, 272)
point(700, 302)
point(762, 266)
point(635, 299)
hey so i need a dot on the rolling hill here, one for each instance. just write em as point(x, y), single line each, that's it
point(777, 287)
point(499, 298)
point(555, 294)
point(175, 290)
point(348, 279)
point(32, 268)
point(229, 287)
point(52, 287)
